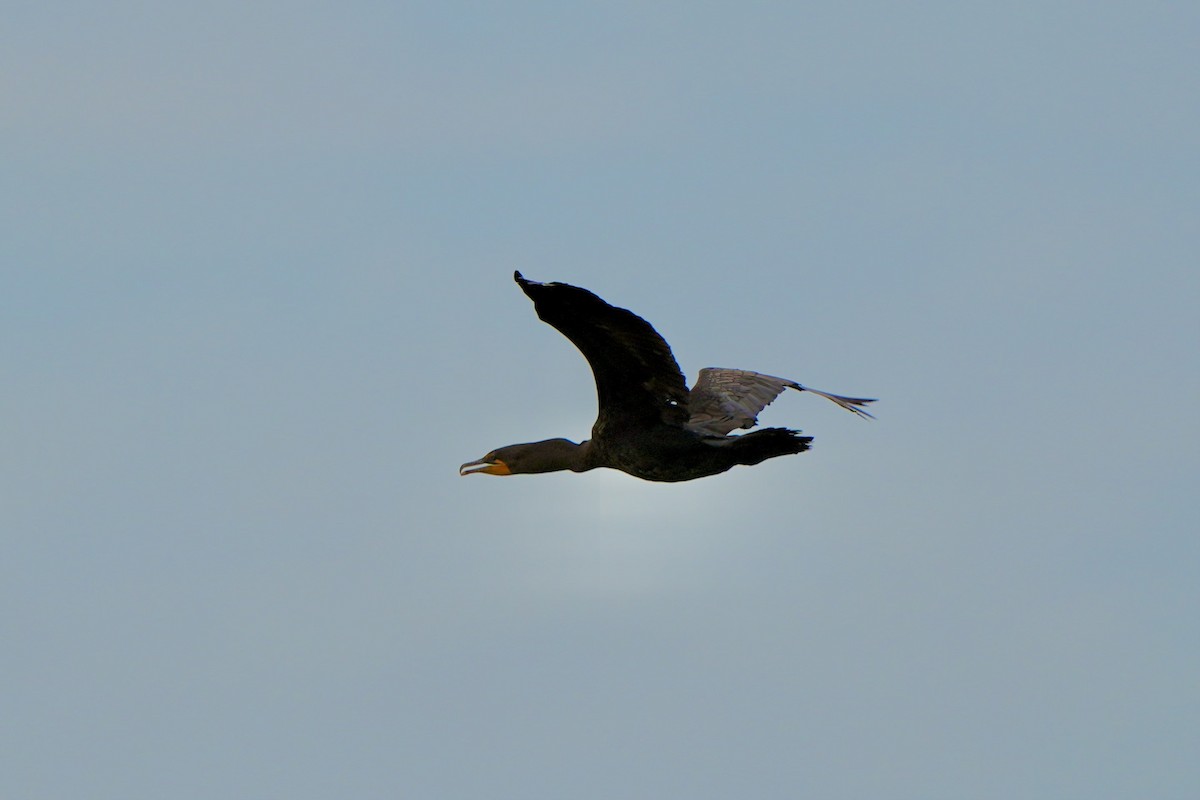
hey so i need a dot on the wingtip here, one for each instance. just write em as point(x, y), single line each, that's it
point(852, 404)
point(855, 405)
point(524, 282)
point(527, 286)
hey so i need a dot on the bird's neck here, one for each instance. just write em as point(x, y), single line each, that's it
point(548, 455)
point(561, 454)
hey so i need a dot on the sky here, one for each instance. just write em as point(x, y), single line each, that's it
point(258, 308)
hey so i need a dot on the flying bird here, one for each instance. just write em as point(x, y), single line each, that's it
point(649, 424)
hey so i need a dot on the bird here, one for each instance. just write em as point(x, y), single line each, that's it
point(649, 424)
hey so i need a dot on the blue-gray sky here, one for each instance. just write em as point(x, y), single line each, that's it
point(258, 307)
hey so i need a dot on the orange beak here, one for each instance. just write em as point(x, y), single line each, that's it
point(494, 467)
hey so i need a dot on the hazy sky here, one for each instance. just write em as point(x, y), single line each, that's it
point(258, 307)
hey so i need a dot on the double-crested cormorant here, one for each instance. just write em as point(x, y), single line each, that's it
point(649, 424)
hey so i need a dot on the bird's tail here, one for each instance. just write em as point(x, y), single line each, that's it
point(758, 446)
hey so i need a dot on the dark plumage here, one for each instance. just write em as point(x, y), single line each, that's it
point(649, 424)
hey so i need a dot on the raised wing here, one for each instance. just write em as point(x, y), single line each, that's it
point(637, 378)
point(725, 399)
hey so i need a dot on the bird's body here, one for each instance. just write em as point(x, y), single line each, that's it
point(649, 425)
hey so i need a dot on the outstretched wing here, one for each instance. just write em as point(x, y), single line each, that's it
point(725, 399)
point(637, 378)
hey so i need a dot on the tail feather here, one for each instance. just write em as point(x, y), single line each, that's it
point(758, 446)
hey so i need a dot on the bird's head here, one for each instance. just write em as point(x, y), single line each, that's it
point(550, 455)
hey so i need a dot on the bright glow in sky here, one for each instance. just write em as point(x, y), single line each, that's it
point(258, 307)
